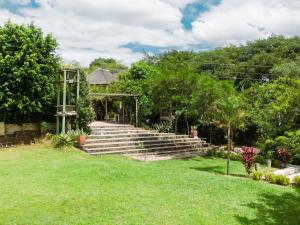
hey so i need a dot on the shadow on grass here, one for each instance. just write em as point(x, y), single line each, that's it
point(272, 209)
point(216, 170)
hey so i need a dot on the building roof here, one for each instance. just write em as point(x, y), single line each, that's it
point(101, 77)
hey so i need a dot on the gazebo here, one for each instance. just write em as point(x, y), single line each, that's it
point(121, 98)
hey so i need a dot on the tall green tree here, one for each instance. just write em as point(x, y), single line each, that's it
point(28, 68)
point(106, 63)
point(231, 114)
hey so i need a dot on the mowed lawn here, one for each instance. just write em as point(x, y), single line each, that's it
point(41, 185)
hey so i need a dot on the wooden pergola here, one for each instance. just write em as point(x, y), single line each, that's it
point(106, 96)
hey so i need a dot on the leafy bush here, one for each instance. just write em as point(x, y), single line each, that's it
point(62, 140)
point(74, 134)
point(297, 180)
point(282, 180)
point(290, 142)
point(211, 151)
point(276, 163)
point(284, 155)
point(270, 177)
point(259, 159)
point(257, 175)
point(248, 154)
point(44, 127)
point(164, 127)
point(236, 157)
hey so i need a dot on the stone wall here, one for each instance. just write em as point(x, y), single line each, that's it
point(21, 133)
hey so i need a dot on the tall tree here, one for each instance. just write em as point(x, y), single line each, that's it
point(106, 63)
point(231, 113)
point(28, 68)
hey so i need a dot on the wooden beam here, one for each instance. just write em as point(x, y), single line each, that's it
point(77, 96)
point(57, 109)
point(63, 128)
point(136, 112)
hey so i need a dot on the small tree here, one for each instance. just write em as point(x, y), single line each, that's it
point(231, 115)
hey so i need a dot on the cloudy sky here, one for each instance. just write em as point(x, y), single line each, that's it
point(126, 29)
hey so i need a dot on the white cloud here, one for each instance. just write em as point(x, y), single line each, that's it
point(20, 2)
point(235, 21)
point(87, 29)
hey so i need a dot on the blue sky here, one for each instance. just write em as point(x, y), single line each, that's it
point(126, 29)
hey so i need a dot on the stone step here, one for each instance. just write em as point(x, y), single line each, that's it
point(120, 129)
point(162, 150)
point(142, 143)
point(132, 135)
point(117, 132)
point(135, 147)
point(110, 125)
point(109, 138)
point(137, 138)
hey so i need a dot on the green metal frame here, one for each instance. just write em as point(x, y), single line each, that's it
point(66, 74)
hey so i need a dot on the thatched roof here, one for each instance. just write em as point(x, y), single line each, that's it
point(101, 77)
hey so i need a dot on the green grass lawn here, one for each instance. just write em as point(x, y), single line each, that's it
point(41, 185)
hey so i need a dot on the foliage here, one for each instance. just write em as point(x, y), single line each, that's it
point(248, 154)
point(28, 67)
point(63, 140)
point(297, 181)
point(254, 88)
point(257, 175)
point(44, 127)
point(270, 177)
point(106, 63)
point(74, 134)
point(284, 155)
point(259, 159)
point(275, 107)
point(282, 180)
point(164, 127)
point(86, 113)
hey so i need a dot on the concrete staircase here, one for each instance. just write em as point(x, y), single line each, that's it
point(109, 138)
point(291, 172)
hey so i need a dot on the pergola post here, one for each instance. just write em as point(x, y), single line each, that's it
point(57, 109)
point(136, 112)
point(106, 118)
point(77, 96)
point(63, 128)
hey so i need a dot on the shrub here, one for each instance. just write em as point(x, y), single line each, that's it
point(276, 163)
point(259, 159)
point(270, 177)
point(257, 175)
point(74, 134)
point(164, 127)
point(282, 180)
point(62, 140)
point(212, 152)
point(236, 157)
point(248, 154)
point(297, 180)
point(284, 155)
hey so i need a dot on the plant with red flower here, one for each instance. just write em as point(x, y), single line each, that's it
point(284, 155)
point(248, 154)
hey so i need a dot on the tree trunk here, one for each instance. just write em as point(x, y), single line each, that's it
point(210, 133)
point(176, 121)
point(228, 147)
point(188, 127)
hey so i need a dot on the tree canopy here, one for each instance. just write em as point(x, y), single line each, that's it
point(28, 67)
